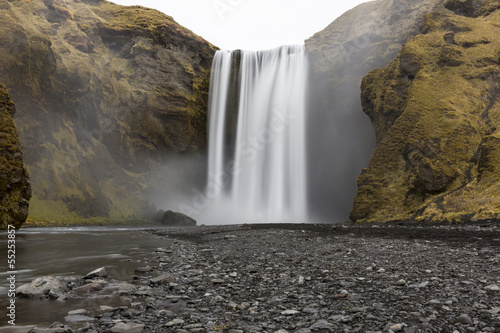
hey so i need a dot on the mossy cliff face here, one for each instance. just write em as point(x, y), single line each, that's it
point(15, 189)
point(435, 110)
point(104, 94)
point(340, 136)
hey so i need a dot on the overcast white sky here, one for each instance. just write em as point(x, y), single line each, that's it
point(251, 24)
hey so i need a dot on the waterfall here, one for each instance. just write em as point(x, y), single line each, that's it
point(257, 159)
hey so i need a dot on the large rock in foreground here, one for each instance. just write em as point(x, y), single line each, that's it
point(105, 95)
point(15, 188)
point(47, 287)
point(435, 110)
point(173, 219)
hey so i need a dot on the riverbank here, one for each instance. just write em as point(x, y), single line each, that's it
point(81, 223)
point(309, 278)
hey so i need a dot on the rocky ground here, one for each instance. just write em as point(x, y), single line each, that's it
point(307, 278)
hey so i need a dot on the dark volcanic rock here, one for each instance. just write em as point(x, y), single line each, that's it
point(159, 215)
point(15, 188)
point(171, 218)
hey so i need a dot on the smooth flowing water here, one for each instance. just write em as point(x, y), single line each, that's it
point(257, 159)
point(71, 252)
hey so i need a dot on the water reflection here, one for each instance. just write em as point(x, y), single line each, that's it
point(71, 252)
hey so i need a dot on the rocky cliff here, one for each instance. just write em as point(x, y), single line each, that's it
point(104, 94)
point(15, 189)
point(341, 137)
point(435, 110)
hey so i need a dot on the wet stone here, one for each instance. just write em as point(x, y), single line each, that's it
point(43, 287)
point(82, 312)
point(175, 322)
point(63, 329)
point(143, 270)
point(492, 287)
point(127, 328)
point(90, 287)
point(290, 312)
point(465, 319)
point(162, 279)
point(322, 325)
point(77, 318)
point(98, 273)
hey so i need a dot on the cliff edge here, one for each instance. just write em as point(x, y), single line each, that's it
point(435, 110)
point(105, 95)
point(339, 133)
point(15, 188)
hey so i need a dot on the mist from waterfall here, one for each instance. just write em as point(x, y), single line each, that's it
point(257, 141)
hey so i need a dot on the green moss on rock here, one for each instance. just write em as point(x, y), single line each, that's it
point(15, 189)
point(435, 110)
point(368, 36)
point(105, 95)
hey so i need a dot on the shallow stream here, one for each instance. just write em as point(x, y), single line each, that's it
point(70, 252)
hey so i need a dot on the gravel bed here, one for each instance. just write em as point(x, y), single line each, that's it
point(311, 278)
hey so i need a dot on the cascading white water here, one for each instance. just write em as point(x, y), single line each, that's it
point(257, 158)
